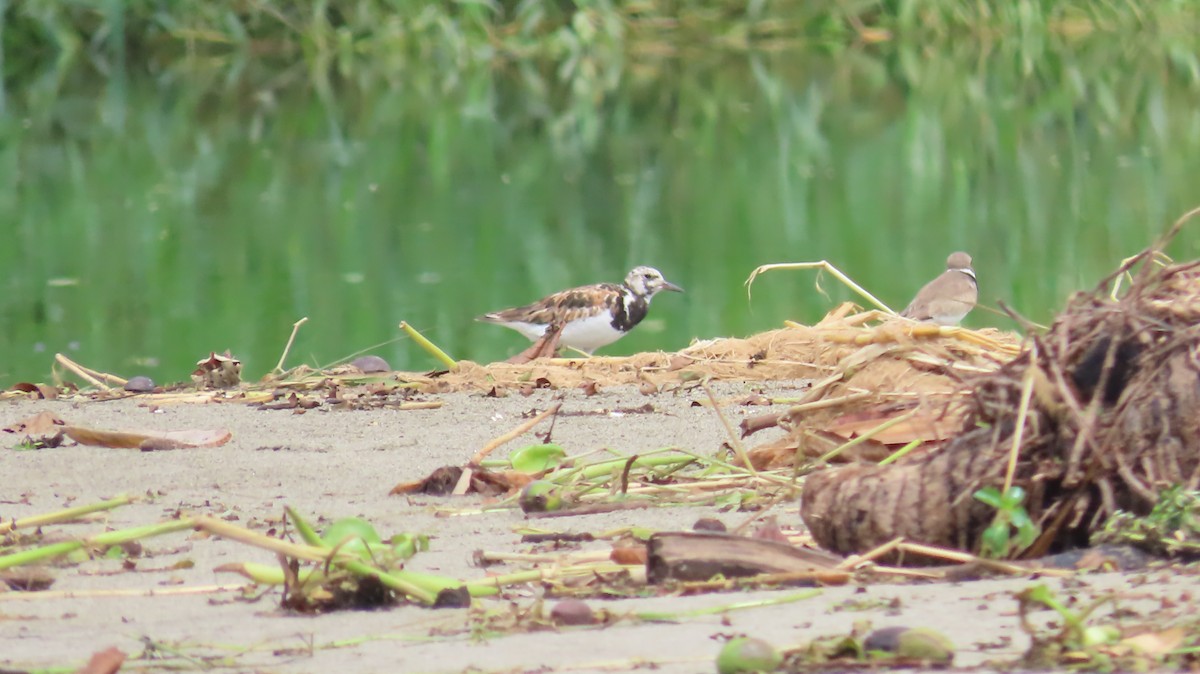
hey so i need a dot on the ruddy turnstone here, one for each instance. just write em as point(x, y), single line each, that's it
point(948, 298)
point(591, 316)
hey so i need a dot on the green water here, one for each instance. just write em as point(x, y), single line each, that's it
point(152, 216)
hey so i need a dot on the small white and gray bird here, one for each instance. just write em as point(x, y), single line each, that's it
point(591, 316)
point(948, 298)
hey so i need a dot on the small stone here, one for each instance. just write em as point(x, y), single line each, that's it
point(709, 524)
point(371, 364)
point(917, 643)
point(572, 612)
point(139, 384)
point(884, 639)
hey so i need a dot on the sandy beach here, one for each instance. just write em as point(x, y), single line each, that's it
point(332, 464)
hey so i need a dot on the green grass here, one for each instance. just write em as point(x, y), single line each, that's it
point(179, 177)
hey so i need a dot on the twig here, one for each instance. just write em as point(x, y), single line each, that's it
point(125, 592)
point(429, 346)
point(738, 448)
point(242, 535)
point(823, 265)
point(826, 402)
point(868, 435)
point(83, 372)
point(870, 555)
point(288, 347)
point(1022, 414)
point(464, 480)
point(515, 433)
point(65, 515)
point(100, 541)
point(900, 453)
point(968, 558)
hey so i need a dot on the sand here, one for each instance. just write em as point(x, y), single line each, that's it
point(339, 463)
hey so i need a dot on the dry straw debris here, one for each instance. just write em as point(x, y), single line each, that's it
point(1098, 415)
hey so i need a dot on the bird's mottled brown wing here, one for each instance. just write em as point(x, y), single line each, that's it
point(564, 306)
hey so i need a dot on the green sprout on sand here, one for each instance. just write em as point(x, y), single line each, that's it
point(1012, 530)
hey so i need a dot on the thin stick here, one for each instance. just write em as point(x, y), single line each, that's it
point(429, 346)
point(65, 515)
point(288, 347)
point(871, 555)
point(235, 533)
point(900, 453)
point(513, 434)
point(1022, 414)
point(80, 371)
point(104, 376)
point(822, 404)
point(102, 540)
point(738, 448)
point(127, 592)
point(968, 558)
point(868, 435)
point(826, 266)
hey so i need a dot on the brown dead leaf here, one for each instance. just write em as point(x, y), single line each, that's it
point(148, 441)
point(218, 371)
point(678, 362)
point(42, 390)
point(492, 483)
point(1157, 644)
point(107, 661)
point(441, 482)
point(42, 424)
point(927, 425)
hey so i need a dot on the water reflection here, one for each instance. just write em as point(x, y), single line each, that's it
point(192, 214)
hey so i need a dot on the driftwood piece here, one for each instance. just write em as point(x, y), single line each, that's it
point(698, 556)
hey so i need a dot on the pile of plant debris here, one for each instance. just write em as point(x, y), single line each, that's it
point(1097, 416)
point(790, 353)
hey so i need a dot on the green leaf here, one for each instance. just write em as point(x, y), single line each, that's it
point(989, 496)
point(407, 545)
point(537, 458)
point(350, 528)
point(306, 531)
point(995, 540)
point(1013, 497)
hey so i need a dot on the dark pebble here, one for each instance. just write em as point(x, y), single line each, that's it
point(708, 524)
point(572, 612)
point(140, 384)
point(884, 639)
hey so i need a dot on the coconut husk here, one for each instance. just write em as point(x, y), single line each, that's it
point(1112, 390)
